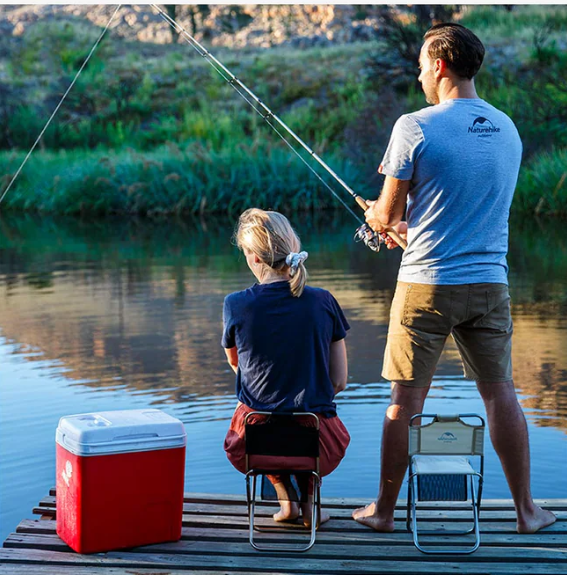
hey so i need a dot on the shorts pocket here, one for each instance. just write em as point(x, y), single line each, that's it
point(497, 314)
point(428, 309)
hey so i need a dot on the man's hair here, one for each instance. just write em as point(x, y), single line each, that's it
point(461, 50)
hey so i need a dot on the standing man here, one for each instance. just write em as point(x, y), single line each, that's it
point(455, 165)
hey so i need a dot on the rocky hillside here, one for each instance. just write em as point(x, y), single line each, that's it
point(222, 25)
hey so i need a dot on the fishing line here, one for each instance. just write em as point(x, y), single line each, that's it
point(95, 46)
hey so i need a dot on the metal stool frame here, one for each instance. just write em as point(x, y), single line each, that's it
point(476, 449)
point(253, 473)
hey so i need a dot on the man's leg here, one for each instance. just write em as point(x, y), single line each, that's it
point(509, 435)
point(406, 402)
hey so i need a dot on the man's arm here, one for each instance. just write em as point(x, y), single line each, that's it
point(388, 210)
point(232, 357)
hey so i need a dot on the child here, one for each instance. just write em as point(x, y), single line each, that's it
point(285, 342)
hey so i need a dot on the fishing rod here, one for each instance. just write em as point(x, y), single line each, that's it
point(364, 233)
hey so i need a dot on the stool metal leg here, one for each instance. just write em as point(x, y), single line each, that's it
point(315, 516)
point(412, 522)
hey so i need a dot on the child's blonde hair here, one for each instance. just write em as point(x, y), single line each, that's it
point(269, 236)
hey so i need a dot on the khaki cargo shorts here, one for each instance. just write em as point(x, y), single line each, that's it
point(423, 316)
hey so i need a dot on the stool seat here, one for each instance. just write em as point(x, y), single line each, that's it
point(442, 465)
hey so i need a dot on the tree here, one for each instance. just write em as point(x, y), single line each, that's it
point(402, 29)
point(171, 10)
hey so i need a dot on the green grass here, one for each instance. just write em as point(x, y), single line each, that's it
point(170, 179)
point(495, 22)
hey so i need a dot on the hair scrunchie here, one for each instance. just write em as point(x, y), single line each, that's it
point(294, 259)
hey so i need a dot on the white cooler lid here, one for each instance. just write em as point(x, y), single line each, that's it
point(109, 432)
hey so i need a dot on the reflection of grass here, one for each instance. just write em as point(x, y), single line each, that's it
point(537, 258)
point(538, 265)
point(42, 239)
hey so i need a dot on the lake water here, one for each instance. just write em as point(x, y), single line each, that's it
point(125, 314)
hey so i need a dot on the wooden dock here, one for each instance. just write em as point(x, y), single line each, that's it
point(215, 540)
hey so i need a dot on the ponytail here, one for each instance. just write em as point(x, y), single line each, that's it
point(298, 280)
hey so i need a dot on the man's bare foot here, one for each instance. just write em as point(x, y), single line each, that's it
point(535, 521)
point(289, 511)
point(368, 516)
point(307, 511)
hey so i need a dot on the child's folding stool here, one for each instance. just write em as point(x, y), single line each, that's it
point(282, 443)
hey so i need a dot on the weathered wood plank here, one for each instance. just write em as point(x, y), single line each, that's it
point(18, 569)
point(424, 514)
point(321, 550)
point(257, 563)
point(367, 537)
point(506, 525)
point(40, 569)
point(345, 502)
point(350, 525)
point(191, 497)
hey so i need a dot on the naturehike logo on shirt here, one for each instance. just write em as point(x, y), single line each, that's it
point(483, 127)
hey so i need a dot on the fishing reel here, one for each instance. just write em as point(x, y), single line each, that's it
point(369, 237)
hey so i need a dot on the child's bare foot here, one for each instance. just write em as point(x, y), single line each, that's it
point(535, 521)
point(287, 499)
point(369, 516)
point(289, 511)
point(307, 511)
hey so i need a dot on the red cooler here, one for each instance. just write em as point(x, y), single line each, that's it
point(120, 477)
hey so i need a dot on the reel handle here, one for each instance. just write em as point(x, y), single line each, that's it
point(392, 233)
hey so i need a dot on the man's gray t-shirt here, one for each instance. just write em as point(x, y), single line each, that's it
point(462, 158)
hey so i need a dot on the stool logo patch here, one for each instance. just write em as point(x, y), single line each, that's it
point(483, 128)
point(447, 437)
point(67, 473)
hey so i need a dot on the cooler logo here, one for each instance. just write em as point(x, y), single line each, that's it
point(483, 127)
point(447, 437)
point(67, 473)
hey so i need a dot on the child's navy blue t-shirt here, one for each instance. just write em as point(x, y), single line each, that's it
point(283, 346)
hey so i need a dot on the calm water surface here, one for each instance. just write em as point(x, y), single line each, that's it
point(126, 314)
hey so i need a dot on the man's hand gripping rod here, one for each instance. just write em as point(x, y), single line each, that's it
point(392, 233)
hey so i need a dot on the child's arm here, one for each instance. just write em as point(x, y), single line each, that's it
point(232, 357)
point(338, 365)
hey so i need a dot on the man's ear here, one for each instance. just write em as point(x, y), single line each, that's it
point(439, 67)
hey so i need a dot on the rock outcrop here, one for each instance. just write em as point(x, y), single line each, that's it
point(222, 25)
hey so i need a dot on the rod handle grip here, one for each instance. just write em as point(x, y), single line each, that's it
point(392, 233)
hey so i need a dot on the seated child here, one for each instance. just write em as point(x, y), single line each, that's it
point(285, 341)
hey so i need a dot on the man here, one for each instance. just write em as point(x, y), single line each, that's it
point(455, 164)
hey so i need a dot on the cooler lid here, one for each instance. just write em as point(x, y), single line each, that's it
point(109, 432)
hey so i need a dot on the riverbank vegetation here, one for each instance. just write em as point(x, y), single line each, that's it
point(152, 128)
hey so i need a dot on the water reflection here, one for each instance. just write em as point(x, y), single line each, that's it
point(136, 304)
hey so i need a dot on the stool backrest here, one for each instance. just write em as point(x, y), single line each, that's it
point(283, 435)
point(447, 435)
